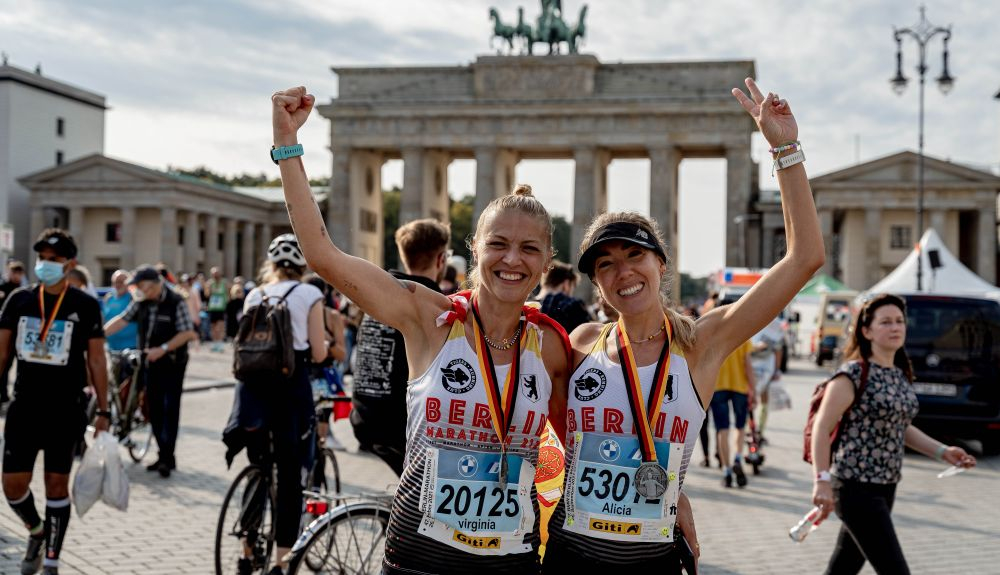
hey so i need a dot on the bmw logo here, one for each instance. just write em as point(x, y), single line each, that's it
point(467, 466)
point(610, 449)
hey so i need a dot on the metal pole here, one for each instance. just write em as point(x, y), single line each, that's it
point(920, 173)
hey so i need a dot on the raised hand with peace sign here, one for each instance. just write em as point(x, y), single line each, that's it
point(772, 114)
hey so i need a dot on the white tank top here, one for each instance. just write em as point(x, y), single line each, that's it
point(600, 514)
point(450, 513)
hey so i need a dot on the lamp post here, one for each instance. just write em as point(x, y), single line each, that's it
point(922, 33)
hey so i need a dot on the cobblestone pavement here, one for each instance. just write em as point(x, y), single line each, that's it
point(946, 526)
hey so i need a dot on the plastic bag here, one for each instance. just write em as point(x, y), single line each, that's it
point(115, 488)
point(779, 397)
point(89, 480)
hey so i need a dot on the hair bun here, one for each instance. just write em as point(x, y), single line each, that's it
point(522, 190)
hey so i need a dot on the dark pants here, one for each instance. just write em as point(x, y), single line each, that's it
point(867, 532)
point(164, 382)
point(284, 409)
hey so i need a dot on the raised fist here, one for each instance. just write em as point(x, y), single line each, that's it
point(289, 110)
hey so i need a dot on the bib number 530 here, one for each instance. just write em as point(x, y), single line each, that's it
point(605, 483)
point(462, 501)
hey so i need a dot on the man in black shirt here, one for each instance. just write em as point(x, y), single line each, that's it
point(557, 300)
point(14, 279)
point(381, 373)
point(55, 332)
point(165, 328)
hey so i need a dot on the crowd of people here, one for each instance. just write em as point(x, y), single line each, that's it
point(451, 385)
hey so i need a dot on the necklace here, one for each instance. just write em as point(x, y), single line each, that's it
point(504, 344)
point(650, 338)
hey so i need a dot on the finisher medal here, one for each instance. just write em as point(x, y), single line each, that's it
point(651, 479)
point(503, 470)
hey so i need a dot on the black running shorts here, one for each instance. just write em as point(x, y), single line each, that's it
point(35, 426)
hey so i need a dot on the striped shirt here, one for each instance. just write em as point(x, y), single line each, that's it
point(600, 516)
point(451, 514)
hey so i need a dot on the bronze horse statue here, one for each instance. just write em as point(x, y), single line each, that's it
point(550, 29)
point(501, 30)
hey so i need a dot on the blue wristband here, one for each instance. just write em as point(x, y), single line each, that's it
point(285, 152)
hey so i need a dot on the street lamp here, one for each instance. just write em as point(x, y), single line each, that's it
point(922, 33)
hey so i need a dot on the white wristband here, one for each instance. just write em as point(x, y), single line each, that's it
point(823, 476)
point(790, 160)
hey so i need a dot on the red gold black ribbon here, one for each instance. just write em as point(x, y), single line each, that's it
point(501, 401)
point(47, 322)
point(644, 417)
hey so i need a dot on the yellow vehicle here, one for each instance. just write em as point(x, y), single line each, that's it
point(832, 322)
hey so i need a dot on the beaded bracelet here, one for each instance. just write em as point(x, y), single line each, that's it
point(789, 146)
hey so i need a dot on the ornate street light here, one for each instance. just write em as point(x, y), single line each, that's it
point(922, 33)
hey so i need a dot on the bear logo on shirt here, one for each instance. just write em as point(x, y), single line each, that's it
point(458, 376)
point(590, 385)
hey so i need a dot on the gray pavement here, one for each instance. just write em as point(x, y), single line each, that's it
point(946, 526)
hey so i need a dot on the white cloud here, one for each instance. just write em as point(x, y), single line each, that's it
point(189, 82)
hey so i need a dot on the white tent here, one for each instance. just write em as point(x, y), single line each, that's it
point(951, 277)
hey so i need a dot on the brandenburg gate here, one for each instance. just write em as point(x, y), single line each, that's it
point(503, 109)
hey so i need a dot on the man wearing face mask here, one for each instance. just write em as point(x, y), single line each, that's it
point(55, 332)
point(165, 328)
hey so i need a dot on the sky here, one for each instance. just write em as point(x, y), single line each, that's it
point(188, 82)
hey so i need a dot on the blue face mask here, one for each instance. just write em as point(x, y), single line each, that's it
point(49, 273)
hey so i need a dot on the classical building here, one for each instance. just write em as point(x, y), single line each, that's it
point(500, 110)
point(124, 215)
point(43, 123)
point(867, 213)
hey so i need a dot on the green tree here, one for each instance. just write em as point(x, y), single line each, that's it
point(561, 230)
point(390, 217)
point(460, 214)
point(692, 289)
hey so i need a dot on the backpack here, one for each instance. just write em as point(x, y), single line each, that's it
point(264, 346)
point(816, 400)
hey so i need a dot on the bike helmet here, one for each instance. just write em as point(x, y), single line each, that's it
point(284, 251)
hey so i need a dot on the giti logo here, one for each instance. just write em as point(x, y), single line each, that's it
point(616, 527)
point(477, 542)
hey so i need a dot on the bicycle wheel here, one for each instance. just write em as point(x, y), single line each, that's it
point(325, 474)
point(139, 439)
point(246, 523)
point(350, 540)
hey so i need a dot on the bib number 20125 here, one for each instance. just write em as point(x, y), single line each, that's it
point(495, 502)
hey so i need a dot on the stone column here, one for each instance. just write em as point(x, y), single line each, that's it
point(128, 238)
point(229, 249)
point(873, 245)
point(486, 159)
point(262, 245)
point(168, 237)
point(37, 224)
point(340, 205)
point(212, 242)
point(826, 228)
point(191, 233)
point(411, 199)
point(589, 199)
point(248, 263)
point(435, 187)
point(738, 193)
point(987, 249)
point(76, 224)
point(663, 164)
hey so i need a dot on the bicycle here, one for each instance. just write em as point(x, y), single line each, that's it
point(246, 529)
point(129, 417)
point(347, 539)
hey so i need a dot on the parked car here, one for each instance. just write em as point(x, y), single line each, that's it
point(954, 345)
point(831, 325)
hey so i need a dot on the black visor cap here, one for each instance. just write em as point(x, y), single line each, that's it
point(623, 231)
